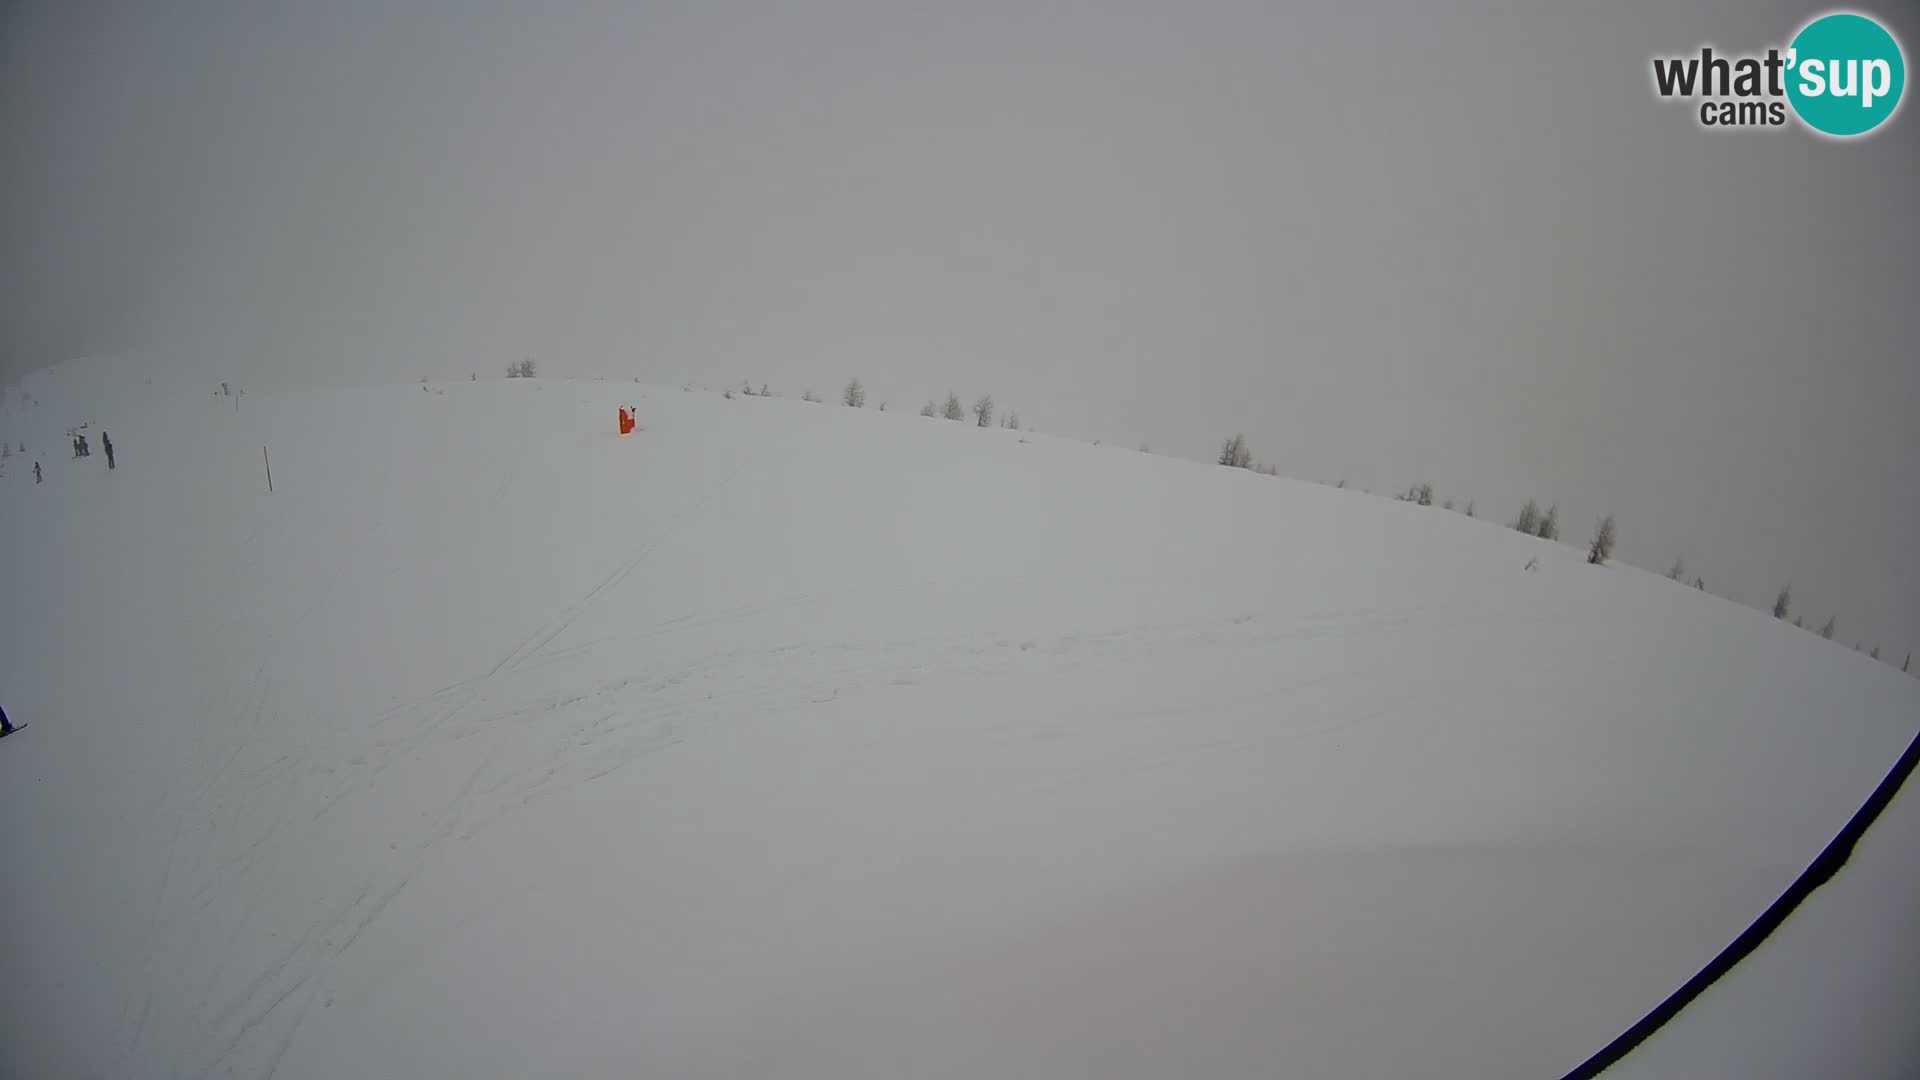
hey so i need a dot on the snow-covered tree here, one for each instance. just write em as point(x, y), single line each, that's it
point(1529, 520)
point(1601, 549)
point(1234, 453)
point(1550, 524)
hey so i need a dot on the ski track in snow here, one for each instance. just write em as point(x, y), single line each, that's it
point(643, 714)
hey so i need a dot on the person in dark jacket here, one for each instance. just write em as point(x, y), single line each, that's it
point(106, 444)
point(36, 472)
point(6, 725)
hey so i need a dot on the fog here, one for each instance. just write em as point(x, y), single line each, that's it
point(1459, 243)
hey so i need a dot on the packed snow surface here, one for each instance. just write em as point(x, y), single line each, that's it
point(789, 740)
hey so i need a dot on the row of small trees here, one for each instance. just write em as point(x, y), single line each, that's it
point(1422, 495)
point(1546, 526)
point(1783, 610)
point(982, 411)
point(854, 396)
point(1531, 521)
point(1237, 453)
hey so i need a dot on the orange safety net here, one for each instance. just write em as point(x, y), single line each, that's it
point(626, 421)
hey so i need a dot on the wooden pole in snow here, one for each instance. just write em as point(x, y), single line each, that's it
point(269, 461)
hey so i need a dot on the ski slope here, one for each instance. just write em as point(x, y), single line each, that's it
point(790, 740)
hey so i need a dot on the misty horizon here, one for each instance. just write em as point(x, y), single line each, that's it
point(1467, 247)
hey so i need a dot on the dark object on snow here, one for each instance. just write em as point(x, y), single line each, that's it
point(6, 725)
point(36, 472)
point(107, 445)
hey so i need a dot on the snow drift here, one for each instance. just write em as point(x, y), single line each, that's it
point(793, 740)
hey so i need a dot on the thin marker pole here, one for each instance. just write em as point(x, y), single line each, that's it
point(269, 461)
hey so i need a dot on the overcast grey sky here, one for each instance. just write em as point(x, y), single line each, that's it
point(1443, 241)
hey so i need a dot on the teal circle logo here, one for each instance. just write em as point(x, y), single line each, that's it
point(1845, 74)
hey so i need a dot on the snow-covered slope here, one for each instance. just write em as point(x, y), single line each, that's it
point(789, 740)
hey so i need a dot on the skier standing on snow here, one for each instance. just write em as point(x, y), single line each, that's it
point(106, 444)
point(36, 472)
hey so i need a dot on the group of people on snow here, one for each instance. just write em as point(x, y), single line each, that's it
point(80, 449)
